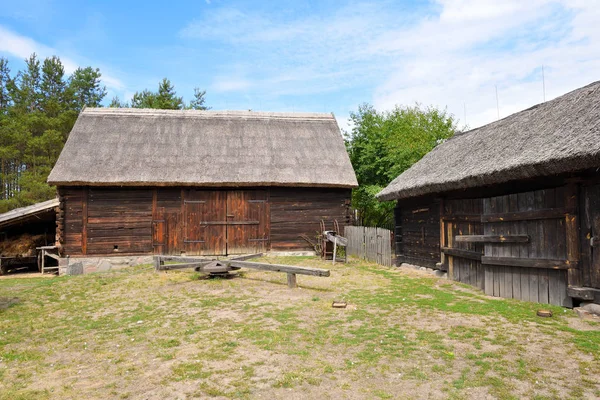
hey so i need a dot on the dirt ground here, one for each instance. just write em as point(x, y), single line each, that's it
point(140, 334)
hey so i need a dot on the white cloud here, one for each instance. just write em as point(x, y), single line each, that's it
point(450, 53)
point(473, 46)
point(230, 84)
point(23, 46)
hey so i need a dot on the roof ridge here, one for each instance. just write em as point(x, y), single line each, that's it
point(207, 113)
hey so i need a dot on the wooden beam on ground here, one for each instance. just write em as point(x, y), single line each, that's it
point(492, 238)
point(292, 269)
point(195, 264)
point(246, 257)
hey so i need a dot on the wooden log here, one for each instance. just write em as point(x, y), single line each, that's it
point(527, 262)
point(279, 268)
point(471, 255)
point(492, 238)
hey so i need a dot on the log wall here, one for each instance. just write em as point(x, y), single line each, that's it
point(296, 211)
point(104, 221)
point(417, 232)
point(536, 245)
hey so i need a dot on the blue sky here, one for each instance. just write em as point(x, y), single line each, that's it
point(323, 56)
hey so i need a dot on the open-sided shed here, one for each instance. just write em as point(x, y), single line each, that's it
point(512, 207)
point(134, 181)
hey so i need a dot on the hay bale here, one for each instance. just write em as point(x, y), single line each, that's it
point(22, 246)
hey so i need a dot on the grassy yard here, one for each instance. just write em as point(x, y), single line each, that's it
point(139, 334)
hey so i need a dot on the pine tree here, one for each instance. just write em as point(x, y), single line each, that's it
point(53, 87)
point(198, 102)
point(86, 88)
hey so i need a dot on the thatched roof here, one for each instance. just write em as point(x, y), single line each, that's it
point(559, 136)
point(19, 215)
point(138, 147)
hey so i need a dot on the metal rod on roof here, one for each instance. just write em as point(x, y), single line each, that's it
point(543, 83)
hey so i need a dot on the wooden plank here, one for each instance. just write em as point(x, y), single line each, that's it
point(554, 296)
point(549, 213)
point(575, 276)
point(565, 300)
point(442, 233)
point(84, 221)
point(527, 262)
point(471, 255)
point(462, 218)
point(279, 268)
point(450, 237)
point(246, 257)
point(543, 286)
point(340, 240)
point(492, 238)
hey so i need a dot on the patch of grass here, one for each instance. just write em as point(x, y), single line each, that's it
point(190, 371)
point(252, 333)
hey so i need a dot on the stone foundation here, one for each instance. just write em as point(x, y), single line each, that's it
point(88, 265)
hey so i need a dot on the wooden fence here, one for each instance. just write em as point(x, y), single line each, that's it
point(371, 244)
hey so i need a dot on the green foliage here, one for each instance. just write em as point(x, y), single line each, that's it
point(382, 145)
point(86, 88)
point(38, 108)
point(198, 103)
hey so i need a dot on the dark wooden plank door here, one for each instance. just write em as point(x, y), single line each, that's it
point(204, 214)
point(247, 221)
point(159, 230)
point(592, 235)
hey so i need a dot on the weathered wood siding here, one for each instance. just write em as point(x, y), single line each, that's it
point(517, 245)
point(371, 244)
point(296, 211)
point(417, 232)
point(590, 234)
point(102, 221)
point(462, 260)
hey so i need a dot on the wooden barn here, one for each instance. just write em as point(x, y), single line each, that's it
point(512, 207)
point(133, 181)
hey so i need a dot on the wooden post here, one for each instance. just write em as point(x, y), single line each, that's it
point(574, 276)
point(291, 280)
point(43, 259)
point(450, 245)
point(84, 232)
point(334, 251)
point(442, 234)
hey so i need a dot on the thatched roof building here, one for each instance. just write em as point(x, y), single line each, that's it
point(134, 181)
point(512, 207)
point(555, 137)
point(139, 147)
